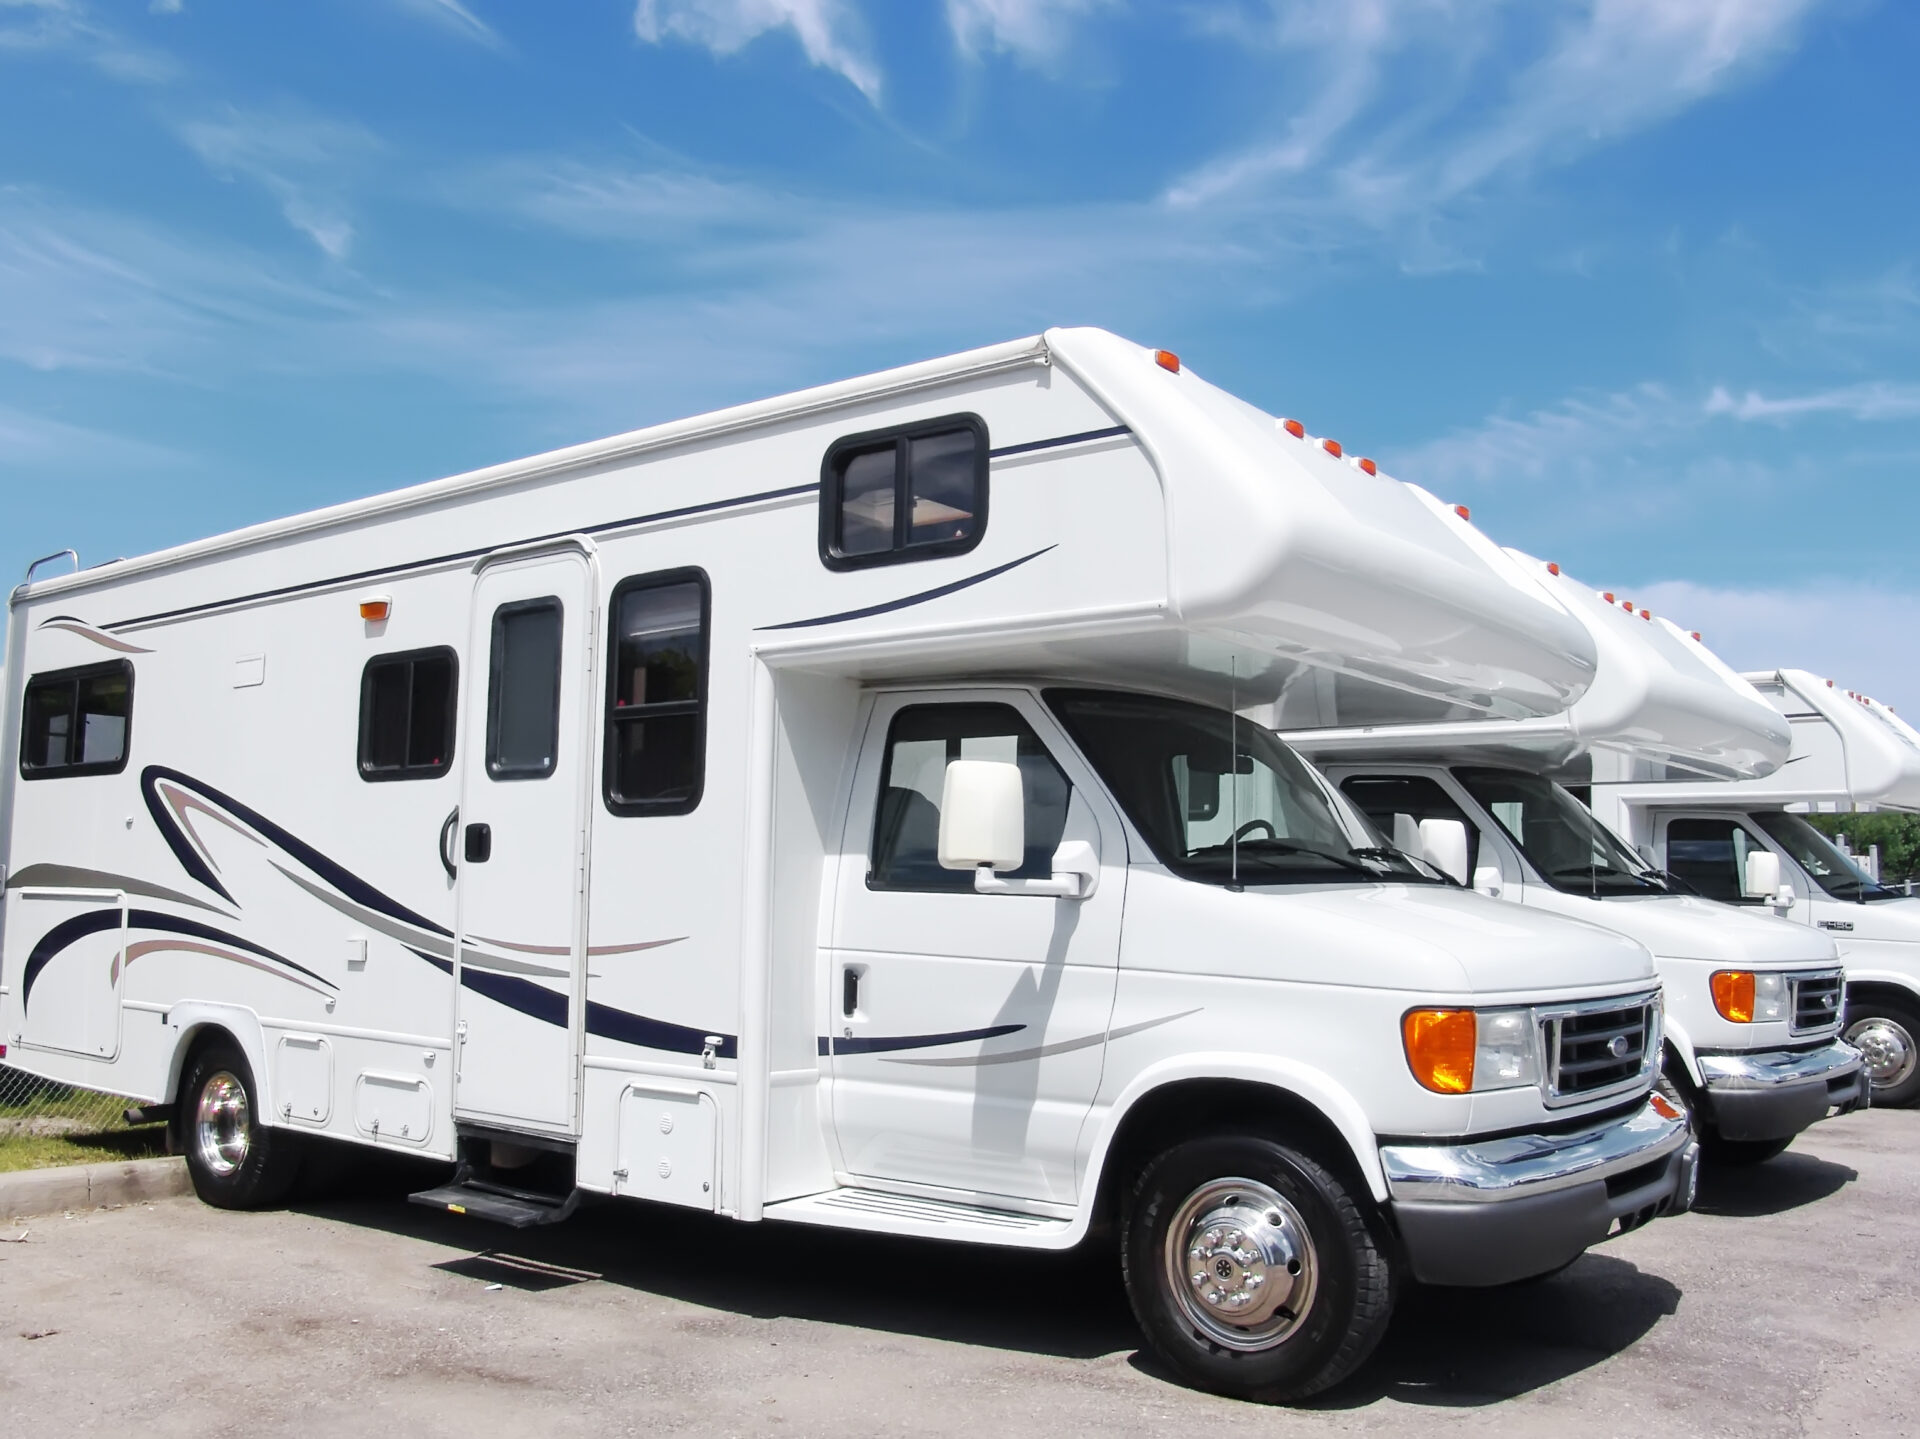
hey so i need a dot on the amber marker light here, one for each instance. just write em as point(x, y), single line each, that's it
point(377, 608)
point(1167, 360)
point(1733, 994)
point(1369, 466)
point(1294, 428)
point(1332, 447)
point(1552, 568)
point(1664, 1107)
point(1463, 512)
point(1440, 1048)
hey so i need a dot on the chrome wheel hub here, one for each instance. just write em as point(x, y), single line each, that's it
point(221, 1124)
point(1241, 1264)
point(1890, 1050)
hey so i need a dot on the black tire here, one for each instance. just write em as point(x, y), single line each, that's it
point(1739, 1153)
point(1889, 1032)
point(237, 1161)
point(1340, 1278)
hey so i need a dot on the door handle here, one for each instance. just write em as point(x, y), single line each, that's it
point(849, 992)
point(479, 843)
point(446, 838)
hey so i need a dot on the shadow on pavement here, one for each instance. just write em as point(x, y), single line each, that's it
point(1781, 1184)
point(1445, 1347)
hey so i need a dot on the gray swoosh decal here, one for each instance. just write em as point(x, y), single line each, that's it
point(88, 632)
point(67, 876)
point(1065, 1046)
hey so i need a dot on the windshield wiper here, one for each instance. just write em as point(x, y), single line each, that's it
point(1595, 872)
point(1252, 848)
point(1387, 851)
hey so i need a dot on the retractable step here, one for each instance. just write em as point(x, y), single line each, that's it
point(516, 1208)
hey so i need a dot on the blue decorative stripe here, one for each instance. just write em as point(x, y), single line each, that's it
point(1031, 445)
point(889, 1043)
point(910, 600)
point(71, 931)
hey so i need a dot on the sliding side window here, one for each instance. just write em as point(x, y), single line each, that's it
point(406, 715)
point(657, 694)
point(77, 721)
point(911, 493)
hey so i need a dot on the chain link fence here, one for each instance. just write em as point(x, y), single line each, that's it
point(44, 1123)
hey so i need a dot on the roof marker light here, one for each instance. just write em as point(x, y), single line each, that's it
point(1463, 512)
point(1332, 447)
point(1552, 568)
point(1294, 428)
point(1167, 360)
point(1646, 615)
point(1369, 466)
point(1696, 634)
point(1607, 595)
point(377, 607)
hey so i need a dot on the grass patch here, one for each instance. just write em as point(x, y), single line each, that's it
point(44, 1151)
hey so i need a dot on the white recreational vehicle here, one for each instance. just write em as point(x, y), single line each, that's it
point(1849, 753)
point(1753, 1001)
point(833, 811)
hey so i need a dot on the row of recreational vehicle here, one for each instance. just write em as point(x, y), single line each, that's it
point(864, 809)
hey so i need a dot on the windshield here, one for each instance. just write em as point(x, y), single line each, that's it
point(1167, 763)
point(1825, 865)
point(1560, 837)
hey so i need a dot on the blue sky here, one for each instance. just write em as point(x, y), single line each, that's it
point(1638, 280)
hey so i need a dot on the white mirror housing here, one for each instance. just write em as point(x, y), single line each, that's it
point(1488, 880)
point(982, 815)
point(1762, 878)
point(1443, 843)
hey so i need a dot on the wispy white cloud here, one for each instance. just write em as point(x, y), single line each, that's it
point(828, 31)
point(451, 15)
point(1036, 31)
point(69, 29)
point(1870, 400)
point(40, 445)
point(302, 161)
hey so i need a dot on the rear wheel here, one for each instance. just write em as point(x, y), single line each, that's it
point(1252, 1269)
point(236, 1160)
point(1888, 1033)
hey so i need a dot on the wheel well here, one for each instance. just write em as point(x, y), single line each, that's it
point(1188, 1108)
point(190, 1045)
point(1878, 990)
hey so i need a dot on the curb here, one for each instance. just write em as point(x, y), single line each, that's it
point(28, 1192)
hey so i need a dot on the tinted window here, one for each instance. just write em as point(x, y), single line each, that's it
point(1559, 836)
point(1396, 803)
point(656, 706)
point(922, 741)
point(406, 715)
point(912, 493)
point(77, 721)
point(523, 690)
point(1711, 855)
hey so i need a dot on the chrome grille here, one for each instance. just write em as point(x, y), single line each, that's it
point(1595, 1049)
point(1816, 1001)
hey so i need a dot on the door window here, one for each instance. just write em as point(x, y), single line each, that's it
point(523, 690)
point(922, 741)
point(1711, 855)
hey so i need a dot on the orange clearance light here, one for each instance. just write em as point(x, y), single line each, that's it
point(1463, 512)
point(1369, 466)
point(376, 609)
point(1294, 428)
point(1440, 1047)
point(1733, 994)
point(1607, 596)
point(1829, 684)
point(1552, 568)
point(1332, 447)
point(1646, 614)
point(1663, 1106)
point(1167, 360)
point(1696, 634)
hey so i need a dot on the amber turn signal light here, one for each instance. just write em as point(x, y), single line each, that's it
point(1167, 360)
point(1663, 1106)
point(1733, 994)
point(1440, 1048)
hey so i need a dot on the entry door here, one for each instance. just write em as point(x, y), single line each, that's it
point(968, 1030)
point(526, 768)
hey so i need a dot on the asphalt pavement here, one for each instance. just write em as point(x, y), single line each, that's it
point(1788, 1304)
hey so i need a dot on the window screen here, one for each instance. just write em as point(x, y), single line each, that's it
point(1711, 855)
point(77, 721)
point(912, 493)
point(923, 740)
point(406, 715)
point(656, 706)
point(523, 690)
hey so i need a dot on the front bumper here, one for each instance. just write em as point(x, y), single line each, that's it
point(1777, 1094)
point(1498, 1210)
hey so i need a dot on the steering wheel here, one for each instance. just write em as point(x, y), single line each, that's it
point(1241, 833)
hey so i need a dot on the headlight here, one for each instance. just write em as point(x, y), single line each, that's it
point(1456, 1051)
point(1744, 997)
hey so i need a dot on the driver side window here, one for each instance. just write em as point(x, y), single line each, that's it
point(1396, 803)
point(921, 742)
point(1711, 855)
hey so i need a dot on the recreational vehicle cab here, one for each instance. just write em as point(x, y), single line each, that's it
point(1849, 753)
point(835, 811)
point(1753, 1001)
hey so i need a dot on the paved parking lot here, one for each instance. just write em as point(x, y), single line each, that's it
point(1786, 1306)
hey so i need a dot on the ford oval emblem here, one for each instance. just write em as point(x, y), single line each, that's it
point(1617, 1046)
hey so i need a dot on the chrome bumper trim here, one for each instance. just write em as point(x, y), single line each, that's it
point(1528, 1164)
point(1774, 1068)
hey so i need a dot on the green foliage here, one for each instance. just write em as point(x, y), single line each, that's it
point(1898, 836)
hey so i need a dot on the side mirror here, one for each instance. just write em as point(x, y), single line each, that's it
point(1786, 898)
point(1488, 880)
point(1762, 879)
point(1444, 844)
point(982, 815)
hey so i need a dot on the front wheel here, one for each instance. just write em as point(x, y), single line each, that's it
point(1253, 1270)
point(236, 1160)
point(1889, 1035)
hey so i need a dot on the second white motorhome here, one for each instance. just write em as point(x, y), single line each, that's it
point(1849, 753)
point(1753, 1001)
point(834, 811)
